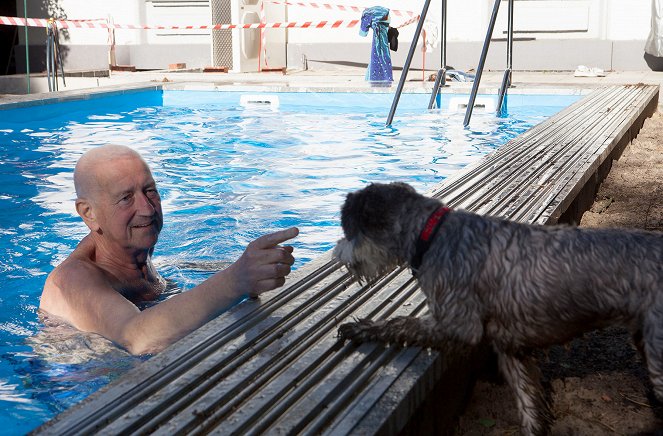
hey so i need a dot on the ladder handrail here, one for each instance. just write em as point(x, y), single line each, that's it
point(441, 74)
point(501, 100)
point(506, 80)
point(441, 79)
point(482, 61)
point(53, 58)
point(408, 61)
point(48, 58)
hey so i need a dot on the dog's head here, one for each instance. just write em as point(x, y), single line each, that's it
point(377, 227)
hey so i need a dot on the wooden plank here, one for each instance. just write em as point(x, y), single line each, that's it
point(638, 109)
point(558, 161)
point(521, 154)
point(467, 190)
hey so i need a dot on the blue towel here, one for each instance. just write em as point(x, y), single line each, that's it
point(379, 68)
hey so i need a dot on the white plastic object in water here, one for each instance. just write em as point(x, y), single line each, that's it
point(256, 101)
point(484, 104)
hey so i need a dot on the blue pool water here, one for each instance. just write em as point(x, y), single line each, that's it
point(227, 174)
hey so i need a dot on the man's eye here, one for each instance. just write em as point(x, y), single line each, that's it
point(152, 193)
point(126, 198)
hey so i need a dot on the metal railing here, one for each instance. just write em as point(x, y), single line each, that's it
point(53, 57)
point(408, 61)
point(440, 79)
point(441, 73)
point(506, 80)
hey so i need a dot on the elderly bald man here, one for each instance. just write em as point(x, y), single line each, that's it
point(97, 288)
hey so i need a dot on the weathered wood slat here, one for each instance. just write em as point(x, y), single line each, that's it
point(276, 366)
point(524, 158)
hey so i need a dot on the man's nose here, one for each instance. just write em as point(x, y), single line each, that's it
point(144, 205)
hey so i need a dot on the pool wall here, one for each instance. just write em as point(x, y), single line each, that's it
point(385, 94)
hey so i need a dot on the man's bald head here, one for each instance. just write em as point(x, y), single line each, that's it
point(89, 166)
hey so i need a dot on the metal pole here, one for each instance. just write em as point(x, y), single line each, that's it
point(501, 95)
point(51, 59)
point(443, 34)
point(506, 79)
point(439, 82)
point(509, 47)
point(54, 65)
point(59, 58)
point(441, 73)
point(48, 59)
point(408, 61)
point(482, 61)
point(27, 45)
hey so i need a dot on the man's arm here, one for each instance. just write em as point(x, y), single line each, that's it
point(80, 294)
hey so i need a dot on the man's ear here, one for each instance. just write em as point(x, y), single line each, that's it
point(86, 211)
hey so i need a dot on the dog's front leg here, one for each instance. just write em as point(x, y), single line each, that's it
point(523, 376)
point(403, 330)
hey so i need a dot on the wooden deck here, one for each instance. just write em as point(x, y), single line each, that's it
point(276, 365)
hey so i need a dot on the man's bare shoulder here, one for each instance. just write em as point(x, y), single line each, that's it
point(70, 273)
point(71, 284)
point(78, 265)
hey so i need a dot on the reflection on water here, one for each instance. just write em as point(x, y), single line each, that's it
point(58, 343)
point(226, 176)
point(57, 367)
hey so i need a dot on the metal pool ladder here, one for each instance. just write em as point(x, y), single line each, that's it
point(441, 73)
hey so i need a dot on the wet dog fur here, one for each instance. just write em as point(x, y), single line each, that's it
point(515, 286)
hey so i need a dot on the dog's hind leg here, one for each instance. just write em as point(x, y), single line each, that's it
point(652, 337)
point(523, 376)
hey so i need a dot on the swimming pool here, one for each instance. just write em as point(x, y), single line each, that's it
point(227, 173)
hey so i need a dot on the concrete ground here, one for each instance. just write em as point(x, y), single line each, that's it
point(341, 78)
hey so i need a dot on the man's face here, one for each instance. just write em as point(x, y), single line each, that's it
point(128, 206)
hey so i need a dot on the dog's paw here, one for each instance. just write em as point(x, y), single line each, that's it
point(360, 331)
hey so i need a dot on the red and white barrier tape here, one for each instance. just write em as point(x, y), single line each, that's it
point(408, 22)
point(87, 19)
point(263, 39)
point(69, 24)
point(328, 6)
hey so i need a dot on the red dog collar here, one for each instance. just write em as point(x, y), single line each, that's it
point(434, 222)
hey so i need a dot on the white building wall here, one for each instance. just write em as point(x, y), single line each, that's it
point(549, 34)
point(468, 19)
point(627, 20)
point(602, 28)
point(122, 11)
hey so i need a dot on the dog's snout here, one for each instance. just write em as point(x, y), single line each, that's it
point(343, 251)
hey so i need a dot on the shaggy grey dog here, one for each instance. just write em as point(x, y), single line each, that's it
point(515, 286)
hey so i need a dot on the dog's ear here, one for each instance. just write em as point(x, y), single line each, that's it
point(367, 211)
point(351, 213)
